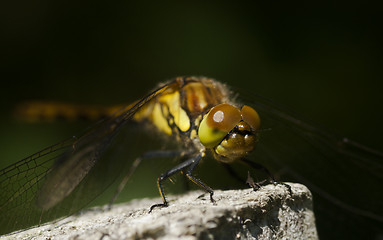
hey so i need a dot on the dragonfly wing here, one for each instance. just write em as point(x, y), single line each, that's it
point(19, 184)
point(65, 177)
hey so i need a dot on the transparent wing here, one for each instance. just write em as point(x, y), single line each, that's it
point(345, 177)
point(55, 182)
point(20, 182)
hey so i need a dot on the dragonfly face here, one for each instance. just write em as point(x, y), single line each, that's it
point(200, 114)
point(229, 131)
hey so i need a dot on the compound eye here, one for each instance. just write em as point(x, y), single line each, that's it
point(251, 117)
point(217, 124)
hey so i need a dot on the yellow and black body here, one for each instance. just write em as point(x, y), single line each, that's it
point(197, 112)
point(200, 114)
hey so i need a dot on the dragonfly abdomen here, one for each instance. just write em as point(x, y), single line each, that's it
point(40, 111)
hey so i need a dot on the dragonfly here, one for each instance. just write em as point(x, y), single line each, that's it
point(206, 119)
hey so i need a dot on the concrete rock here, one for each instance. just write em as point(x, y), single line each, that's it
point(269, 213)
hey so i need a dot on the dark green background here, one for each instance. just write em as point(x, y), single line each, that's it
point(323, 60)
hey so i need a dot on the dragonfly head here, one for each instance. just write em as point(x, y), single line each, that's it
point(230, 132)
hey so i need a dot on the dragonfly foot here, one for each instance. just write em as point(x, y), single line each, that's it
point(202, 196)
point(211, 198)
point(160, 205)
point(252, 184)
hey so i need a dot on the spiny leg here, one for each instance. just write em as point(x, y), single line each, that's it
point(168, 174)
point(137, 161)
point(185, 180)
point(264, 169)
point(197, 181)
point(252, 184)
point(249, 180)
point(233, 173)
point(190, 164)
point(258, 167)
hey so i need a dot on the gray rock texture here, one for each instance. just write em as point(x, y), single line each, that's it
point(269, 213)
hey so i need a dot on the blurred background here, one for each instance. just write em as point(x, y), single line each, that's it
point(320, 60)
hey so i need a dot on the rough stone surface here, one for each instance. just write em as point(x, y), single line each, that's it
point(269, 213)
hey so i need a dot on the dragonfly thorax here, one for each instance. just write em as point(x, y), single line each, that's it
point(198, 112)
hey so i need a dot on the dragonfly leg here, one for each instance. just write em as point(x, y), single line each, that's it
point(136, 163)
point(197, 181)
point(258, 166)
point(191, 163)
point(264, 169)
point(251, 183)
point(233, 173)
